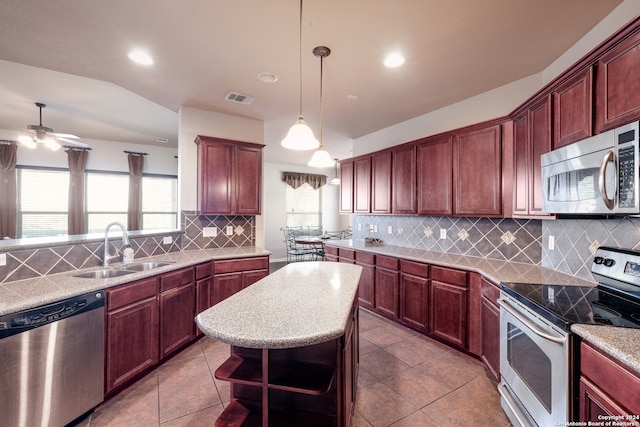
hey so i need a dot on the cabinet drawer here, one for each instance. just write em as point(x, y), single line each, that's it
point(331, 250)
point(386, 262)
point(365, 257)
point(176, 278)
point(130, 293)
point(449, 275)
point(490, 291)
point(415, 268)
point(611, 377)
point(347, 253)
point(204, 270)
point(243, 264)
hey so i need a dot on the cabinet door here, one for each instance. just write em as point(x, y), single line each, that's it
point(414, 301)
point(216, 178)
point(491, 337)
point(596, 405)
point(366, 287)
point(522, 164)
point(573, 110)
point(225, 285)
point(248, 179)
point(477, 172)
point(449, 313)
point(403, 185)
point(132, 341)
point(386, 292)
point(362, 185)
point(618, 85)
point(251, 277)
point(346, 187)
point(203, 297)
point(177, 327)
point(540, 143)
point(381, 183)
point(435, 177)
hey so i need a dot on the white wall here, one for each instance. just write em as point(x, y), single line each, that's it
point(275, 208)
point(497, 102)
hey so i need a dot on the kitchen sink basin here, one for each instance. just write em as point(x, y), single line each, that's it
point(149, 265)
point(104, 273)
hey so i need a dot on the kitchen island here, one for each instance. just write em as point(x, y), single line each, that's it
point(294, 349)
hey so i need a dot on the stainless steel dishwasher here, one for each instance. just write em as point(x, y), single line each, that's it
point(52, 362)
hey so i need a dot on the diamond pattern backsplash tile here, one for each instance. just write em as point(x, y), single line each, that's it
point(504, 239)
point(242, 231)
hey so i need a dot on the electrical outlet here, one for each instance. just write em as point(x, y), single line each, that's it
point(371, 228)
point(3, 260)
point(210, 231)
point(359, 227)
point(552, 243)
point(443, 233)
point(229, 230)
point(389, 230)
point(167, 240)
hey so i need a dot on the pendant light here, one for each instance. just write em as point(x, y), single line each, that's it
point(335, 180)
point(300, 136)
point(321, 159)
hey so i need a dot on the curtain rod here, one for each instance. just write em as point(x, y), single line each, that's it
point(74, 148)
point(135, 153)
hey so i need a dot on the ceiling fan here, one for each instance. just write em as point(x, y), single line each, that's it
point(44, 135)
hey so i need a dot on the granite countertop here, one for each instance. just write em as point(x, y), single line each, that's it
point(24, 294)
point(622, 344)
point(300, 304)
point(495, 270)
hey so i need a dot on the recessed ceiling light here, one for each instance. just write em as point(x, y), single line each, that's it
point(394, 60)
point(140, 57)
point(267, 77)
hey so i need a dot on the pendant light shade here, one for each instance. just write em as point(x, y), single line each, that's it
point(321, 159)
point(300, 136)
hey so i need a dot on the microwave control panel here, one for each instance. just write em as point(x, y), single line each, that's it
point(626, 176)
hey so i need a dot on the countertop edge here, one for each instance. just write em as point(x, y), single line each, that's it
point(622, 344)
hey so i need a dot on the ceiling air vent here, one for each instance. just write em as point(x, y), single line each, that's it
point(239, 98)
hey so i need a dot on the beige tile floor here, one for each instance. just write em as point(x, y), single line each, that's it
point(405, 379)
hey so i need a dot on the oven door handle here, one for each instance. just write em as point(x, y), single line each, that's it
point(535, 329)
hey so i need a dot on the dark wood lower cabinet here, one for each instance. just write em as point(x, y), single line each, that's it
point(414, 294)
point(387, 285)
point(177, 311)
point(366, 289)
point(304, 386)
point(449, 305)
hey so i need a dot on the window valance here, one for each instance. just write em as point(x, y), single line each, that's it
point(296, 179)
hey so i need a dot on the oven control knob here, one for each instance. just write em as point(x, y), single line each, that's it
point(598, 260)
point(609, 262)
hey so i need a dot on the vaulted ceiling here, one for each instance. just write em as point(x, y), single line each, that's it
point(72, 55)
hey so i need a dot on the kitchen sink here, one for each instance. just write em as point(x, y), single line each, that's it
point(104, 273)
point(149, 265)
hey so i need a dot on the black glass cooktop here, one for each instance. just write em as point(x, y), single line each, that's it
point(565, 305)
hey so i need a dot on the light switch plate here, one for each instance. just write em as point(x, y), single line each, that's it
point(210, 231)
point(3, 260)
point(443, 233)
point(552, 243)
point(167, 240)
point(229, 230)
point(389, 229)
point(359, 227)
point(375, 228)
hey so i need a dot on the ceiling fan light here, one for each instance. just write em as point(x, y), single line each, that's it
point(27, 141)
point(51, 144)
point(321, 159)
point(300, 137)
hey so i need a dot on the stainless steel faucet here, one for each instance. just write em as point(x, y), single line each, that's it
point(125, 242)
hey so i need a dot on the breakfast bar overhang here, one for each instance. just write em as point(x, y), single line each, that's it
point(294, 350)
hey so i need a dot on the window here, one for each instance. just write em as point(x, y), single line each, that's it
point(42, 202)
point(303, 206)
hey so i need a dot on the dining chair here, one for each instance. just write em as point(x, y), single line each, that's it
point(314, 230)
point(295, 252)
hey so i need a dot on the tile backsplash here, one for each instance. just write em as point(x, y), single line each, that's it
point(35, 262)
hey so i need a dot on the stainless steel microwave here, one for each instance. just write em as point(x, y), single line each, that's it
point(595, 176)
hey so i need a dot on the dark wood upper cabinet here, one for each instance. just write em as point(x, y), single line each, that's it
point(229, 176)
point(532, 135)
point(362, 185)
point(346, 186)
point(435, 177)
point(381, 183)
point(573, 109)
point(477, 171)
point(403, 184)
point(618, 85)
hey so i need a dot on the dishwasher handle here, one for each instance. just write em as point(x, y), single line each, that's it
point(12, 324)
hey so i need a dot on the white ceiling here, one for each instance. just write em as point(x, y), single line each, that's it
point(71, 55)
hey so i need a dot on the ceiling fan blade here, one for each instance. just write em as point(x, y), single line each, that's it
point(65, 135)
point(72, 142)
